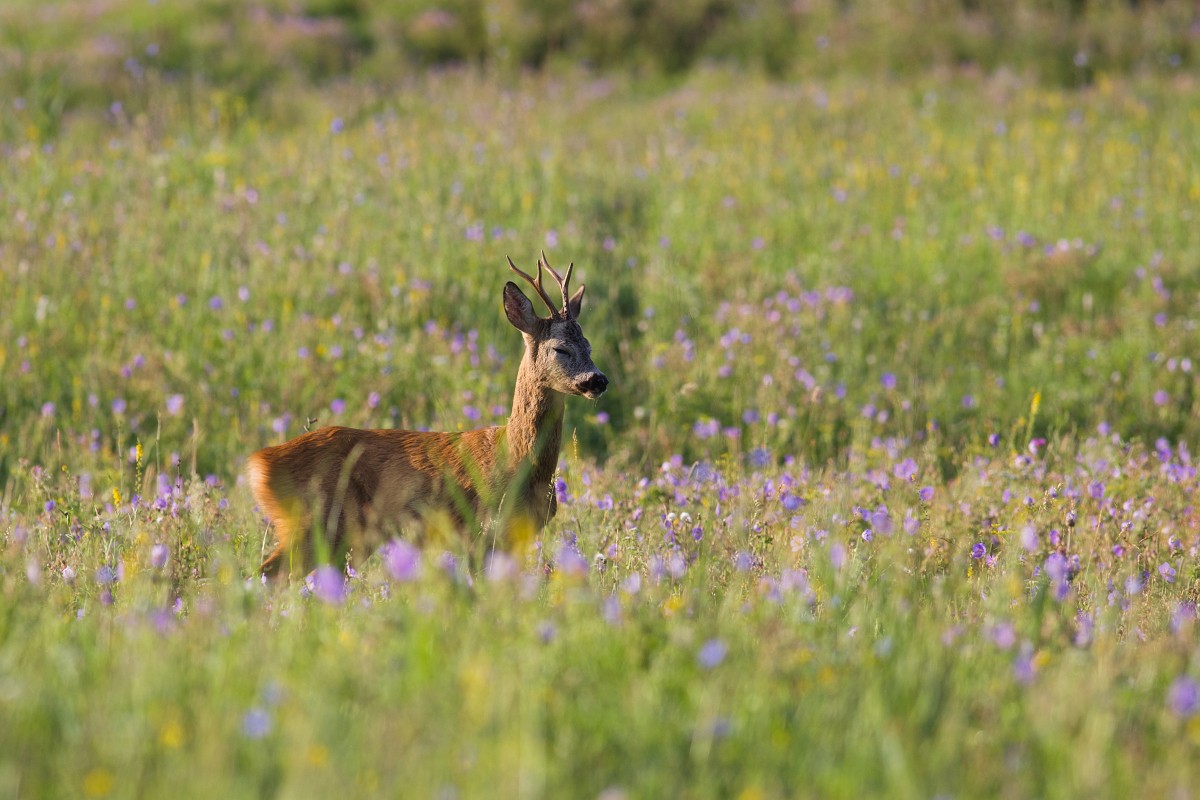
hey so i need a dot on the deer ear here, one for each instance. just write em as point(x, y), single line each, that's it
point(575, 304)
point(518, 309)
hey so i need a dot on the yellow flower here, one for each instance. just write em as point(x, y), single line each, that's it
point(116, 496)
point(98, 783)
point(170, 735)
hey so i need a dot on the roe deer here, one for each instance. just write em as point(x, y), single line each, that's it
point(354, 488)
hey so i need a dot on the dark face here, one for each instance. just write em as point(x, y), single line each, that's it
point(564, 359)
point(561, 356)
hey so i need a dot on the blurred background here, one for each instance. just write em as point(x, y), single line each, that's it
point(72, 54)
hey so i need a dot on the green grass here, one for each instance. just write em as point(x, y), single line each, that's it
point(836, 275)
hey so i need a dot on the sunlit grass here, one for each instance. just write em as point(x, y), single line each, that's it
point(814, 301)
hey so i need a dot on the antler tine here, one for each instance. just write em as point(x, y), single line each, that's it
point(545, 262)
point(564, 283)
point(535, 282)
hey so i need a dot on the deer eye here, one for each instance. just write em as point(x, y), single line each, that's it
point(562, 351)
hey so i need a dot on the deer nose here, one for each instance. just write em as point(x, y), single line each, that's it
point(595, 383)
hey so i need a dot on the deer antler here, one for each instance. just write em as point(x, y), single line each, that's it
point(564, 284)
point(535, 282)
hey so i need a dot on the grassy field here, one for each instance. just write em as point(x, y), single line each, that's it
point(891, 494)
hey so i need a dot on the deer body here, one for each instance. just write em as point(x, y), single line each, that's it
point(356, 488)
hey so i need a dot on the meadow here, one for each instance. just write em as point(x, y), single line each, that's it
point(891, 493)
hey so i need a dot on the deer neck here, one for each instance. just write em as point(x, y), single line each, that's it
point(535, 426)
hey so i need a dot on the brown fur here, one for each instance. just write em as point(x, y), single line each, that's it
point(360, 487)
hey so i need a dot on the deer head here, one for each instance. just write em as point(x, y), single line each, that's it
point(555, 348)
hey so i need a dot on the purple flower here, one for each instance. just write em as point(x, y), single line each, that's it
point(1183, 698)
point(174, 404)
point(401, 559)
point(712, 653)
point(978, 550)
point(159, 555)
point(1003, 635)
point(1161, 398)
point(105, 575)
point(926, 494)
point(906, 470)
point(50, 504)
point(868, 535)
point(888, 381)
point(1056, 567)
point(1023, 670)
point(337, 406)
point(911, 523)
point(837, 555)
point(1029, 538)
point(47, 410)
point(256, 723)
point(1096, 490)
point(1167, 572)
point(328, 584)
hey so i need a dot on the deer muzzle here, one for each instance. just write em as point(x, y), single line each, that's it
point(592, 386)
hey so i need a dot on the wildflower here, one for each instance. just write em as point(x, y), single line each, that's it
point(1023, 666)
point(911, 523)
point(926, 494)
point(712, 653)
point(401, 559)
point(978, 550)
point(68, 575)
point(338, 405)
point(159, 555)
point(327, 583)
point(906, 470)
point(837, 555)
point(1167, 572)
point(1003, 635)
point(1029, 538)
point(174, 404)
point(500, 567)
point(1183, 698)
point(256, 723)
point(105, 575)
